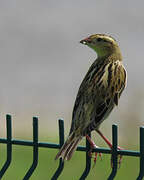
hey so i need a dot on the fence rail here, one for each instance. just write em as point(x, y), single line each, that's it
point(36, 144)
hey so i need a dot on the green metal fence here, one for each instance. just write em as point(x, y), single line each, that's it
point(36, 145)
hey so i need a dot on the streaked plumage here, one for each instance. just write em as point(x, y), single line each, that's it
point(99, 92)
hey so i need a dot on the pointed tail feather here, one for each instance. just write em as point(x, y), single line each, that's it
point(69, 147)
point(73, 148)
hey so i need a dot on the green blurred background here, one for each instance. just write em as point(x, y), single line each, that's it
point(22, 158)
point(42, 65)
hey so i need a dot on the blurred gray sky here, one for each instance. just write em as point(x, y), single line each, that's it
point(42, 63)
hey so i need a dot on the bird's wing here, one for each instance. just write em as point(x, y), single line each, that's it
point(116, 81)
point(110, 86)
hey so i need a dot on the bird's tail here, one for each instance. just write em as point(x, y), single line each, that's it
point(69, 147)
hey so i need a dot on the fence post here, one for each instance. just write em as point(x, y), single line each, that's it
point(61, 142)
point(9, 146)
point(35, 149)
point(141, 173)
point(114, 152)
point(88, 160)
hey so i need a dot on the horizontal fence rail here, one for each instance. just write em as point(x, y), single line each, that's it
point(36, 145)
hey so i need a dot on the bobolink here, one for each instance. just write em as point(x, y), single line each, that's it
point(98, 94)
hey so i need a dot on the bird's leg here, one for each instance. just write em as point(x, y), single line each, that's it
point(93, 145)
point(110, 145)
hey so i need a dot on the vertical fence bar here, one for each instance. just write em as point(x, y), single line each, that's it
point(61, 142)
point(141, 173)
point(114, 152)
point(9, 146)
point(35, 149)
point(88, 161)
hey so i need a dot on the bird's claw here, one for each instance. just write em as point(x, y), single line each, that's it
point(120, 160)
point(93, 146)
point(95, 157)
point(90, 153)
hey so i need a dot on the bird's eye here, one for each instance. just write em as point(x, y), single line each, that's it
point(99, 39)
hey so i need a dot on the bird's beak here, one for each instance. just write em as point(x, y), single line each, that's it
point(85, 41)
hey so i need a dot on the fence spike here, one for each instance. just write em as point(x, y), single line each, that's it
point(9, 145)
point(35, 149)
point(88, 160)
point(114, 152)
point(61, 142)
point(141, 173)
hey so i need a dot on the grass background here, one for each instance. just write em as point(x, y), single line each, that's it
point(22, 159)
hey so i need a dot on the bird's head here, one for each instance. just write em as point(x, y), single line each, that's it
point(103, 44)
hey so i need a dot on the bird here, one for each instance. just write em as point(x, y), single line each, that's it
point(98, 93)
